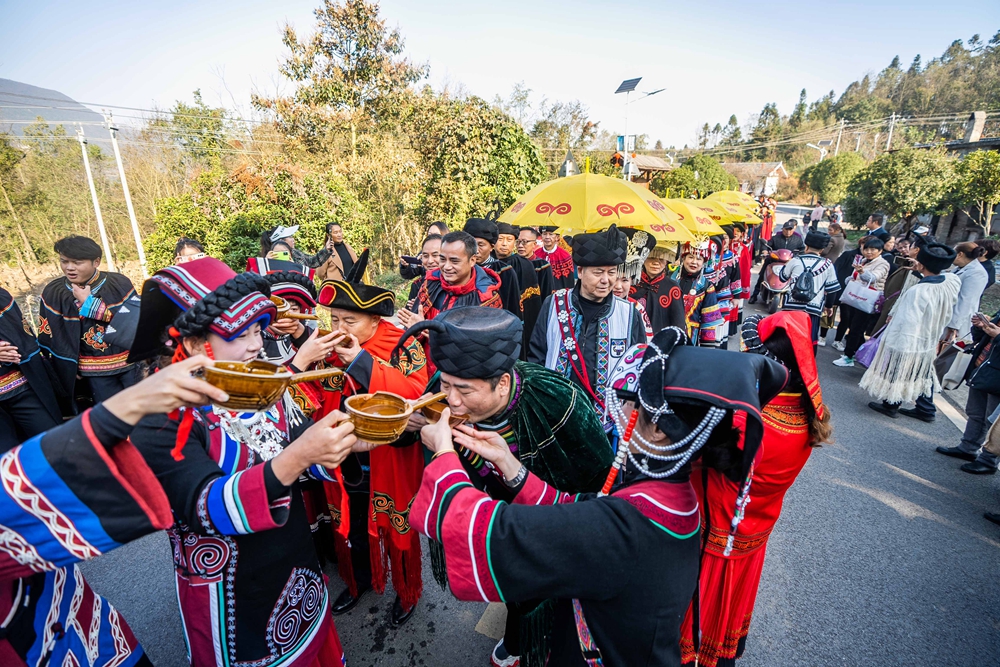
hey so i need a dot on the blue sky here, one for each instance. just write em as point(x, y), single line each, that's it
point(714, 58)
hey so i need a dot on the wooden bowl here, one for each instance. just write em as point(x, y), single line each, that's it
point(284, 310)
point(433, 414)
point(378, 418)
point(256, 385)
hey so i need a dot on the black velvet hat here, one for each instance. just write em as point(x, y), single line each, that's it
point(471, 342)
point(818, 239)
point(547, 228)
point(607, 248)
point(936, 257)
point(353, 294)
point(480, 228)
point(508, 229)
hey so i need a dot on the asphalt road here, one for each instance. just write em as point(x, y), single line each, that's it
point(881, 557)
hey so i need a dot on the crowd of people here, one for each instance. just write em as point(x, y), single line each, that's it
point(604, 466)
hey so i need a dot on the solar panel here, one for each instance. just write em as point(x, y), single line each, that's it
point(628, 85)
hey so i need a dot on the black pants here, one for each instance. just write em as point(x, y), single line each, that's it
point(22, 417)
point(856, 323)
point(104, 387)
point(358, 535)
point(760, 276)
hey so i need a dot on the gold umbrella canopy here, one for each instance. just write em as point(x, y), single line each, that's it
point(695, 219)
point(734, 196)
point(592, 202)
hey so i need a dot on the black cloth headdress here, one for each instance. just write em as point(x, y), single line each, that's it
point(607, 248)
point(481, 228)
point(547, 228)
point(936, 257)
point(354, 295)
point(295, 286)
point(817, 239)
point(508, 229)
point(470, 342)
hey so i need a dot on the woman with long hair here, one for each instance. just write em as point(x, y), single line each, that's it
point(249, 584)
point(795, 421)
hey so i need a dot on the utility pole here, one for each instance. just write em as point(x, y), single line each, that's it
point(627, 157)
point(892, 123)
point(857, 144)
point(839, 134)
point(128, 197)
point(93, 195)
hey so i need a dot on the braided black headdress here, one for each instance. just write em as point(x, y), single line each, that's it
point(751, 338)
point(196, 320)
point(292, 277)
point(470, 342)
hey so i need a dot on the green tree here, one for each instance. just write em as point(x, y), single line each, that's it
point(564, 125)
point(829, 179)
point(350, 70)
point(701, 173)
point(199, 129)
point(977, 185)
point(902, 184)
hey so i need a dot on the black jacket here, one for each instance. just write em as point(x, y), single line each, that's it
point(986, 377)
point(794, 242)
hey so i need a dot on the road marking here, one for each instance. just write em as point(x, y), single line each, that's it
point(950, 412)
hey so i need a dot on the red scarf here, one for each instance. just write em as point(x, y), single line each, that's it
point(434, 284)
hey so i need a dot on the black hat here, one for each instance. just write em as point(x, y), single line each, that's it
point(817, 239)
point(936, 257)
point(640, 244)
point(547, 228)
point(471, 342)
point(353, 294)
point(607, 248)
point(789, 224)
point(294, 286)
point(481, 229)
point(508, 229)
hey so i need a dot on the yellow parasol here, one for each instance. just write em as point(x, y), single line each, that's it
point(592, 202)
point(742, 212)
point(693, 218)
point(734, 196)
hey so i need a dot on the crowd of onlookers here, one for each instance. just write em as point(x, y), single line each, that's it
point(907, 308)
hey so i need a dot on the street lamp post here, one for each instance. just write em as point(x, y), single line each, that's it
point(822, 147)
point(628, 86)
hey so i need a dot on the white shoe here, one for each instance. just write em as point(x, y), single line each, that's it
point(839, 345)
point(844, 362)
point(507, 661)
point(821, 342)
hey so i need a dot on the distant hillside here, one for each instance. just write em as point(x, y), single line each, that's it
point(22, 103)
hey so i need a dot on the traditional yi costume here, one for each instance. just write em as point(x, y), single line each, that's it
point(27, 392)
point(292, 282)
point(249, 583)
point(527, 280)
point(510, 289)
point(601, 559)
point(370, 502)
point(658, 298)
point(481, 289)
point(581, 339)
point(559, 260)
point(548, 423)
point(72, 335)
point(69, 495)
point(743, 255)
point(703, 313)
point(720, 272)
point(729, 581)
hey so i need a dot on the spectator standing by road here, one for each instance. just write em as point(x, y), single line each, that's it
point(903, 367)
point(875, 225)
point(837, 240)
point(992, 250)
point(816, 216)
point(983, 378)
point(872, 270)
point(973, 276)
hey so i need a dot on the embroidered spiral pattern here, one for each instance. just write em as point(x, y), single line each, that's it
point(208, 558)
point(299, 605)
point(620, 209)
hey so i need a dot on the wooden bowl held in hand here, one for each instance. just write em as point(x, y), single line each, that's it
point(381, 418)
point(255, 386)
point(433, 414)
point(284, 311)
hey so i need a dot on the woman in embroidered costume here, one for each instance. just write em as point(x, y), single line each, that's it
point(705, 316)
point(71, 494)
point(795, 421)
point(740, 246)
point(370, 503)
point(621, 568)
point(249, 583)
point(720, 270)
